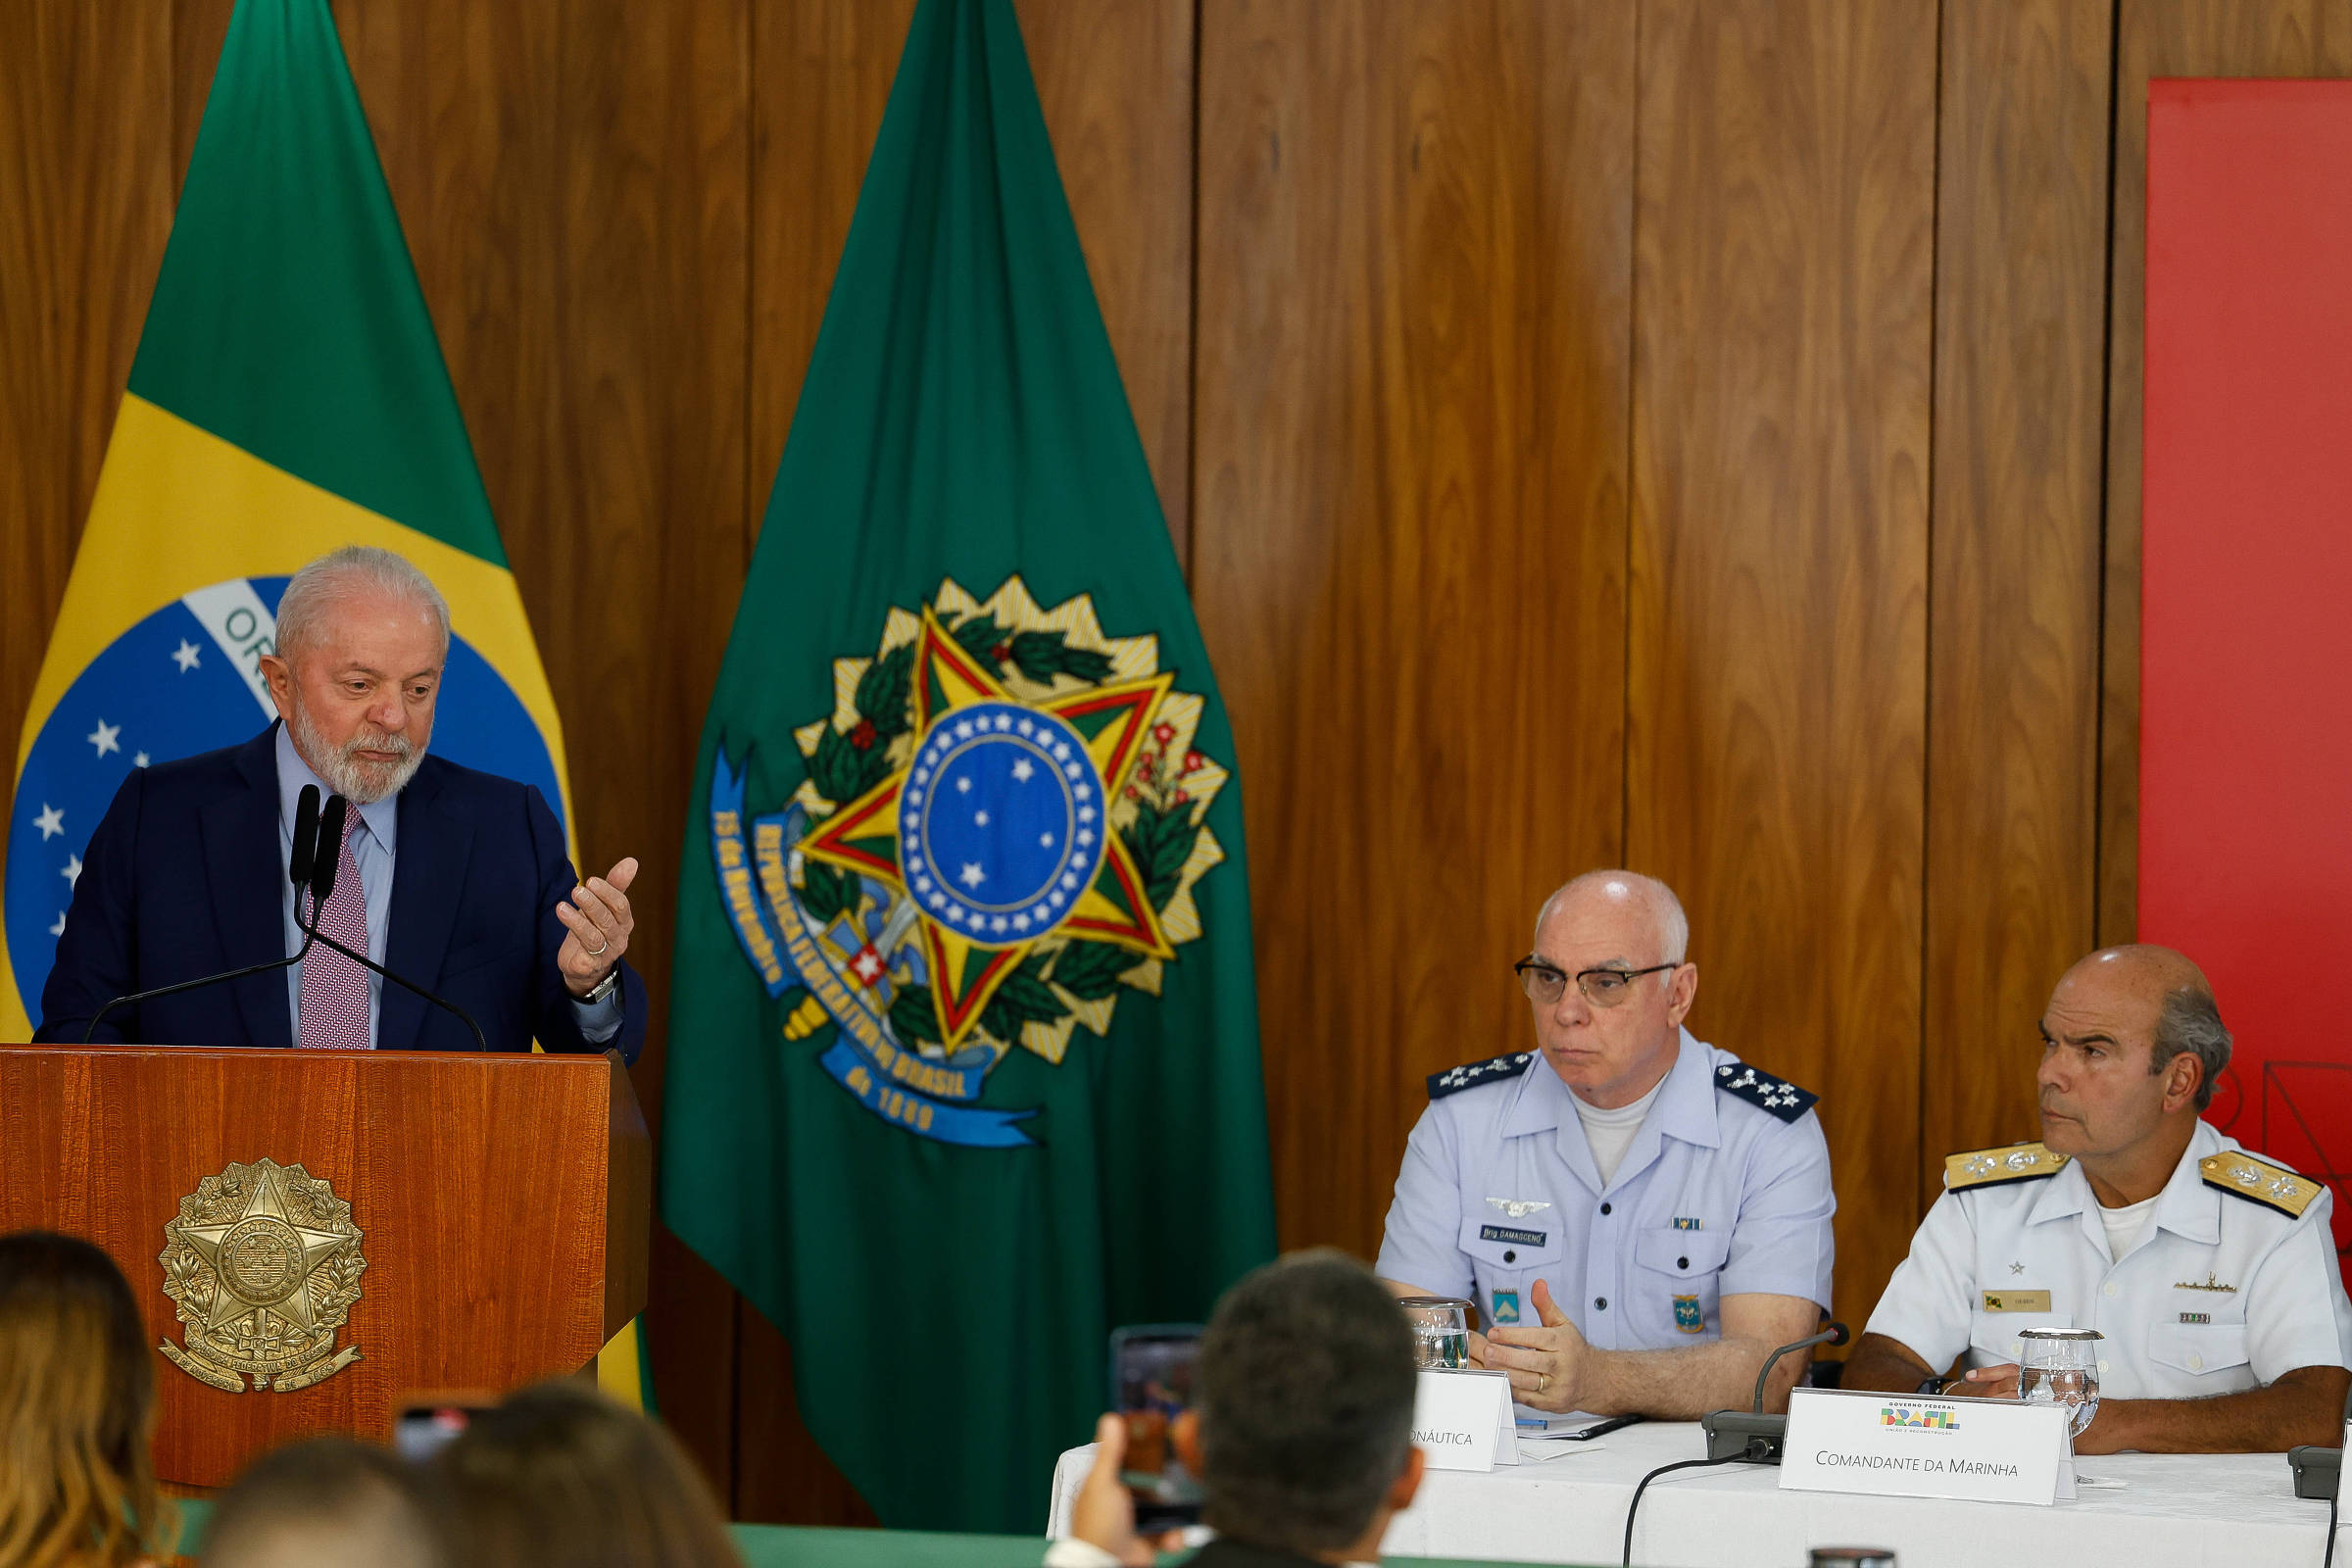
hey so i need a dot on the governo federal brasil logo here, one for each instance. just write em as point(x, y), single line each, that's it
point(994, 842)
point(184, 678)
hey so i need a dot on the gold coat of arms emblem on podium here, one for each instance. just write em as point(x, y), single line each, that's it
point(263, 1264)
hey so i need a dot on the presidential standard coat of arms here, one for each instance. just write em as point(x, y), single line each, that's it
point(996, 837)
point(263, 1264)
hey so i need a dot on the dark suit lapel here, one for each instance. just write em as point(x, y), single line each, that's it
point(428, 871)
point(244, 866)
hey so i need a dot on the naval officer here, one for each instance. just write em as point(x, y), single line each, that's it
point(2210, 1272)
point(1640, 1218)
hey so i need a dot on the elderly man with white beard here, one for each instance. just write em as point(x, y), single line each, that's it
point(454, 879)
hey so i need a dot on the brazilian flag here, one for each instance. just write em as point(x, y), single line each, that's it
point(288, 398)
point(963, 1066)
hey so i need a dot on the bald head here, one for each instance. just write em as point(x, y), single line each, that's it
point(1625, 893)
point(2141, 968)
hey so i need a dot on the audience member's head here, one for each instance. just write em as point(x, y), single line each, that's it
point(76, 1408)
point(560, 1476)
point(1303, 1441)
point(327, 1501)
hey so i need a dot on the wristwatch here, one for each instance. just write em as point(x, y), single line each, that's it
point(602, 989)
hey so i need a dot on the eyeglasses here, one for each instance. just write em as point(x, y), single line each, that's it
point(1545, 984)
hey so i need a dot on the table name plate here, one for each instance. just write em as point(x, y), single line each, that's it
point(1462, 1420)
point(1984, 1450)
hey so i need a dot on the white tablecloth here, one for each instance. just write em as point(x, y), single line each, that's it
point(2175, 1512)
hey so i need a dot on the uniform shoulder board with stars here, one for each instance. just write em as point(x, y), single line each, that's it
point(2271, 1185)
point(1990, 1167)
point(1762, 1090)
point(1453, 1080)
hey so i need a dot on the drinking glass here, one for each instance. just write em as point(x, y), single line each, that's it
point(2061, 1366)
point(1441, 1331)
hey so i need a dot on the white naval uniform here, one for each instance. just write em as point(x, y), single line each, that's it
point(2224, 1291)
point(1724, 1191)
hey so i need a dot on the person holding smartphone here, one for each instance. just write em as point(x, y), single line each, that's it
point(1301, 1436)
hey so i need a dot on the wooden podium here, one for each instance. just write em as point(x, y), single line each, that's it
point(501, 1203)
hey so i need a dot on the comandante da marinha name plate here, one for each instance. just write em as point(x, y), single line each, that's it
point(1895, 1446)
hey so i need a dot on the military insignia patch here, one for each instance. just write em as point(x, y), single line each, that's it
point(2271, 1186)
point(1761, 1089)
point(1991, 1167)
point(263, 1265)
point(1453, 1080)
point(1686, 1315)
point(995, 839)
point(1506, 1307)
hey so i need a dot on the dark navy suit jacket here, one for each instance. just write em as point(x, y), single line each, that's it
point(183, 878)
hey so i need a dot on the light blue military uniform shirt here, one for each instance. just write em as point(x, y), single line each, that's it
point(1723, 1192)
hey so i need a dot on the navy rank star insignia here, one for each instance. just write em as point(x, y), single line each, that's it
point(1453, 1080)
point(1990, 1167)
point(1762, 1090)
point(2271, 1186)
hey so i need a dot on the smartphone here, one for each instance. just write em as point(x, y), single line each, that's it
point(425, 1423)
point(1151, 1367)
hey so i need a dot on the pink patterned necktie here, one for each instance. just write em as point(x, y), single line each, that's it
point(334, 990)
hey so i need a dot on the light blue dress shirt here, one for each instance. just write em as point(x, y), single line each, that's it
point(374, 843)
point(1718, 1196)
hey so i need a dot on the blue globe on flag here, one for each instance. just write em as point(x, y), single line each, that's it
point(187, 679)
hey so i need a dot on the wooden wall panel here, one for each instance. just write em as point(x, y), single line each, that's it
point(2013, 620)
point(85, 197)
point(2164, 38)
point(1409, 527)
point(1778, 666)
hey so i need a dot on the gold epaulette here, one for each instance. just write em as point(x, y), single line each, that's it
point(2274, 1186)
point(1990, 1167)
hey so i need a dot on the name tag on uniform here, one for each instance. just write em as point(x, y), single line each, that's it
point(1503, 1233)
point(2017, 1300)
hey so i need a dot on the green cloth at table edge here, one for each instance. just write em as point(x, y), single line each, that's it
point(801, 1547)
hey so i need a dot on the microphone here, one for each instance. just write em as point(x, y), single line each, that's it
point(323, 888)
point(1750, 1435)
point(300, 860)
point(318, 875)
point(306, 837)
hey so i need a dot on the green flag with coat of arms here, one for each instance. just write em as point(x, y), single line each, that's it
point(963, 1066)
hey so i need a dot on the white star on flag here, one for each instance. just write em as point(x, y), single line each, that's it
point(59, 929)
point(979, 819)
point(51, 821)
point(139, 760)
point(104, 738)
point(185, 655)
point(973, 876)
point(73, 872)
point(1021, 771)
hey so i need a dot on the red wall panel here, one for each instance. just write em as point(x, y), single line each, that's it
point(2245, 834)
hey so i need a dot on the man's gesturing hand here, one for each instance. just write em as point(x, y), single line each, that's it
point(599, 921)
point(1546, 1365)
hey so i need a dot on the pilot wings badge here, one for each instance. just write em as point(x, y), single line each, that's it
point(992, 842)
point(263, 1264)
